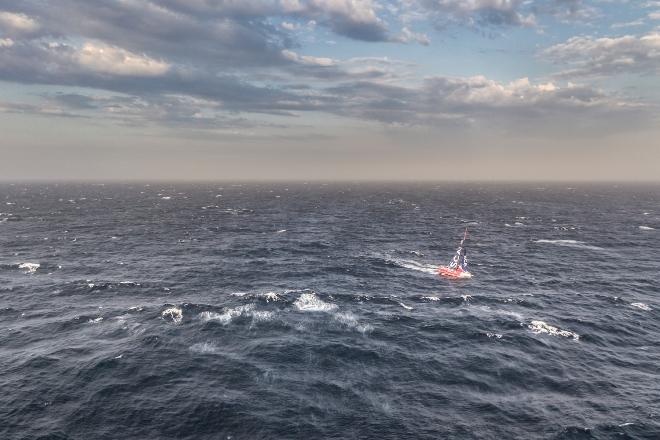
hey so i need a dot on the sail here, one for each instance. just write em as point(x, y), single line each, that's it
point(460, 258)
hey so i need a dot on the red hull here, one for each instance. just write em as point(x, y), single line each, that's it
point(453, 273)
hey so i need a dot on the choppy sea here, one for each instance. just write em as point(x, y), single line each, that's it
point(313, 311)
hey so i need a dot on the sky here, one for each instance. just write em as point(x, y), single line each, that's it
point(330, 90)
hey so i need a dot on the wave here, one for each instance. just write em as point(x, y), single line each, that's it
point(349, 320)
point(268, 296)
point(415, 265)
point(203, 348)
point(403, 305)
point(232, 313)
point(309, 302)
point(641, 306)
point(571, 243)
point(174, 314)
point(29, 267)
point(646, 228)
point(538, 327)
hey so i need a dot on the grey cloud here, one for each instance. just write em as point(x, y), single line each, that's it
point(518, 106)
point(477, 12)
point(500, 13)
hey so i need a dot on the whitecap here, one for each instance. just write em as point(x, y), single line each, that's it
point(262, 315)
point(646, 228)
point(95, 320)
point(229, 314)
point(268, 296)
point(271, 296)
point(467, 298)
point(494, 335)
point(432, 298)
point(309, 302)
point(281, 231)
point(641, 306)
point(203, 348)
point(349, 320)
point(415, 265)
point(173, 313)
point(29, 267)
point(541, 327)
point(570, 243)
point(166, 198)
point(404, 306)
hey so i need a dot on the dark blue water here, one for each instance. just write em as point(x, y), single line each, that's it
point(313, 311)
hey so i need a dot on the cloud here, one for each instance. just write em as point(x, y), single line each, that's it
point(604, 57)
point(16, 23)
point(408, 36)
point(103, 58)
point(210, 64)
point(497, 13)
point(476, 12)
point(566, 10)
point(478, 102)
point(356, 19)
point(308, 60)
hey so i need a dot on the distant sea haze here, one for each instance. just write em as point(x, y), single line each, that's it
point(298, 311)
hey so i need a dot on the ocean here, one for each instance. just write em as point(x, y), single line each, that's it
point(313, 311)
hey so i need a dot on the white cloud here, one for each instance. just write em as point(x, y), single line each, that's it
point(408, 36)
point(6, 42)
point(289, 26)
point(633, 23)
point(100, 57)
point(588, 56)
point(17, 22)
point(654, 15)
point(307, 60)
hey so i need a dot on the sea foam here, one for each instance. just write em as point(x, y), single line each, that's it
point(173, 313)
point(415, 265)
point(29, 267)
point(541, 327)
point(309, 302)
point(641, 306)
point(571, 243)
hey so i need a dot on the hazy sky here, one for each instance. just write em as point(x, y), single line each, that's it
point(330, 89)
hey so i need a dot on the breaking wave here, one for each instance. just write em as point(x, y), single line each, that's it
point(538, 327)
point(174, 314)
point(416, 265)
point(570, 243)
point(29, 267)
point(641, 306)
point(309, 302)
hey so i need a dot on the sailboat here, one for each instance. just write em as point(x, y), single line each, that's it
point(457, 267)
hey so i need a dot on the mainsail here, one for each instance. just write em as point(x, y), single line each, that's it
point(460, 258)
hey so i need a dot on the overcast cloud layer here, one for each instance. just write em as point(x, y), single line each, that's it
point(311, 84)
